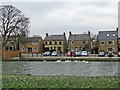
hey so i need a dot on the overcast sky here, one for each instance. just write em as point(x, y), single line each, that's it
point(59, 17)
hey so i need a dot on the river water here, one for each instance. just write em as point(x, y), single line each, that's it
point(80, 68)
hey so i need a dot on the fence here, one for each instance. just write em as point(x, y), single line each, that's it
point(11, 54)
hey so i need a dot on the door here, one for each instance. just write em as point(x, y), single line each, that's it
point(29, 49)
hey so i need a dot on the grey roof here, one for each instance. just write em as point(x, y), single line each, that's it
point(78, 37)
point(103, 35)
point(54, 37)
point(33, 39)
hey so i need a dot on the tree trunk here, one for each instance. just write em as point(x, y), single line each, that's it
point(3, 50)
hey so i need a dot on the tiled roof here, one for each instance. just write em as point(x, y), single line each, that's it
point(54, 37)
point(78, 37)
point(33, 39)
point(107, 35)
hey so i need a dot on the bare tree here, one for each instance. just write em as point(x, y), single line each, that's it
point(12, 22)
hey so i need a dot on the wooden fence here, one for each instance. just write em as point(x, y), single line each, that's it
point(11, 54)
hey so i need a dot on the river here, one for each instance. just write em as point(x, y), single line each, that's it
point(80, 68)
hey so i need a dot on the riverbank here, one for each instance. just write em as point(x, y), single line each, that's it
point(31, 81)
point(113, 59)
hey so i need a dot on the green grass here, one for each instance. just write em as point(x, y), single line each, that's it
point(29, 81)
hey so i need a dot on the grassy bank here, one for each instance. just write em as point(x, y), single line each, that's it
point(72, 59)
point(29, 81)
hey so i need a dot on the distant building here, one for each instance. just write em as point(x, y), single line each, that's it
point(32, 44)
point(55, 43)
point(0, 44)
point(79, 42)
point(108, 41)
point(118, 44)
point(12, 44)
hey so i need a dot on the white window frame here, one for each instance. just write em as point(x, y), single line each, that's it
point(22, 49)
point(34, 49)
point(108, 35)
point(113, 35)
point(72, 43)
point(111, 44)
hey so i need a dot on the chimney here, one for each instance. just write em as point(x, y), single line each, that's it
point(46, 34)
point(70, 33)
point(89, 32)
point(117, 31)
point(64, 34)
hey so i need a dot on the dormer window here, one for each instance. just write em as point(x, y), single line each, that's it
point(72, 43)
point(34, 43)
point(113, 35)
point(108, 35)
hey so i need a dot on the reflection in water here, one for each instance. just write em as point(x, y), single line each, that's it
point(61, 68)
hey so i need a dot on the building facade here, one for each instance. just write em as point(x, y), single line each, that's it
point(32, 45)
point(55, 43)
point(79, 42)
point(118, 44)
point(108, 41)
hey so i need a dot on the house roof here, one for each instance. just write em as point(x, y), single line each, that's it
point(33, 39)
point(29, 39)
point(107, 35)
point(78, 37)
point(54, 37)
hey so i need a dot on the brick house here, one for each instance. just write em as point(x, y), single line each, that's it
point(0, 44)
point(108, 41)
point(79, 42)
point(32, 44)
point(55, 42)
point(118, 44)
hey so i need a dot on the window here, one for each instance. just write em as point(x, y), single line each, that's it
point(111, 49)
point(35, 49)
point(83, 49)
point(110, 42)
point(72, 49)
point(113, 35)
point(46, 42)
point(54, 48)
point(83, 42)
point(60, 43)
point(108, 35)
point(50, 43)
point(55, 43)
point(72, 43)
point(34, 43)
point(22, 49)
point(102, 42)
point(76, 49)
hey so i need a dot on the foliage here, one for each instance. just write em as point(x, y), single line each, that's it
point(12, 22)
point(26, 81)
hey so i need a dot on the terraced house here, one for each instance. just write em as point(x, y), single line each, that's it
point(32, 44)
point(12, 44)
point(108, 41)
point(79, 42)
point(55, 42)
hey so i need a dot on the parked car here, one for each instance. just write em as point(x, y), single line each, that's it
point(84, 53)
point(101, 54)
point(70, 54)
point(76, 54)
point(119, 54)
point(47, 54)
point(110, 54)
point(54, 53)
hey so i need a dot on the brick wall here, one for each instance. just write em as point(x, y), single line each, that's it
point(10, 54)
